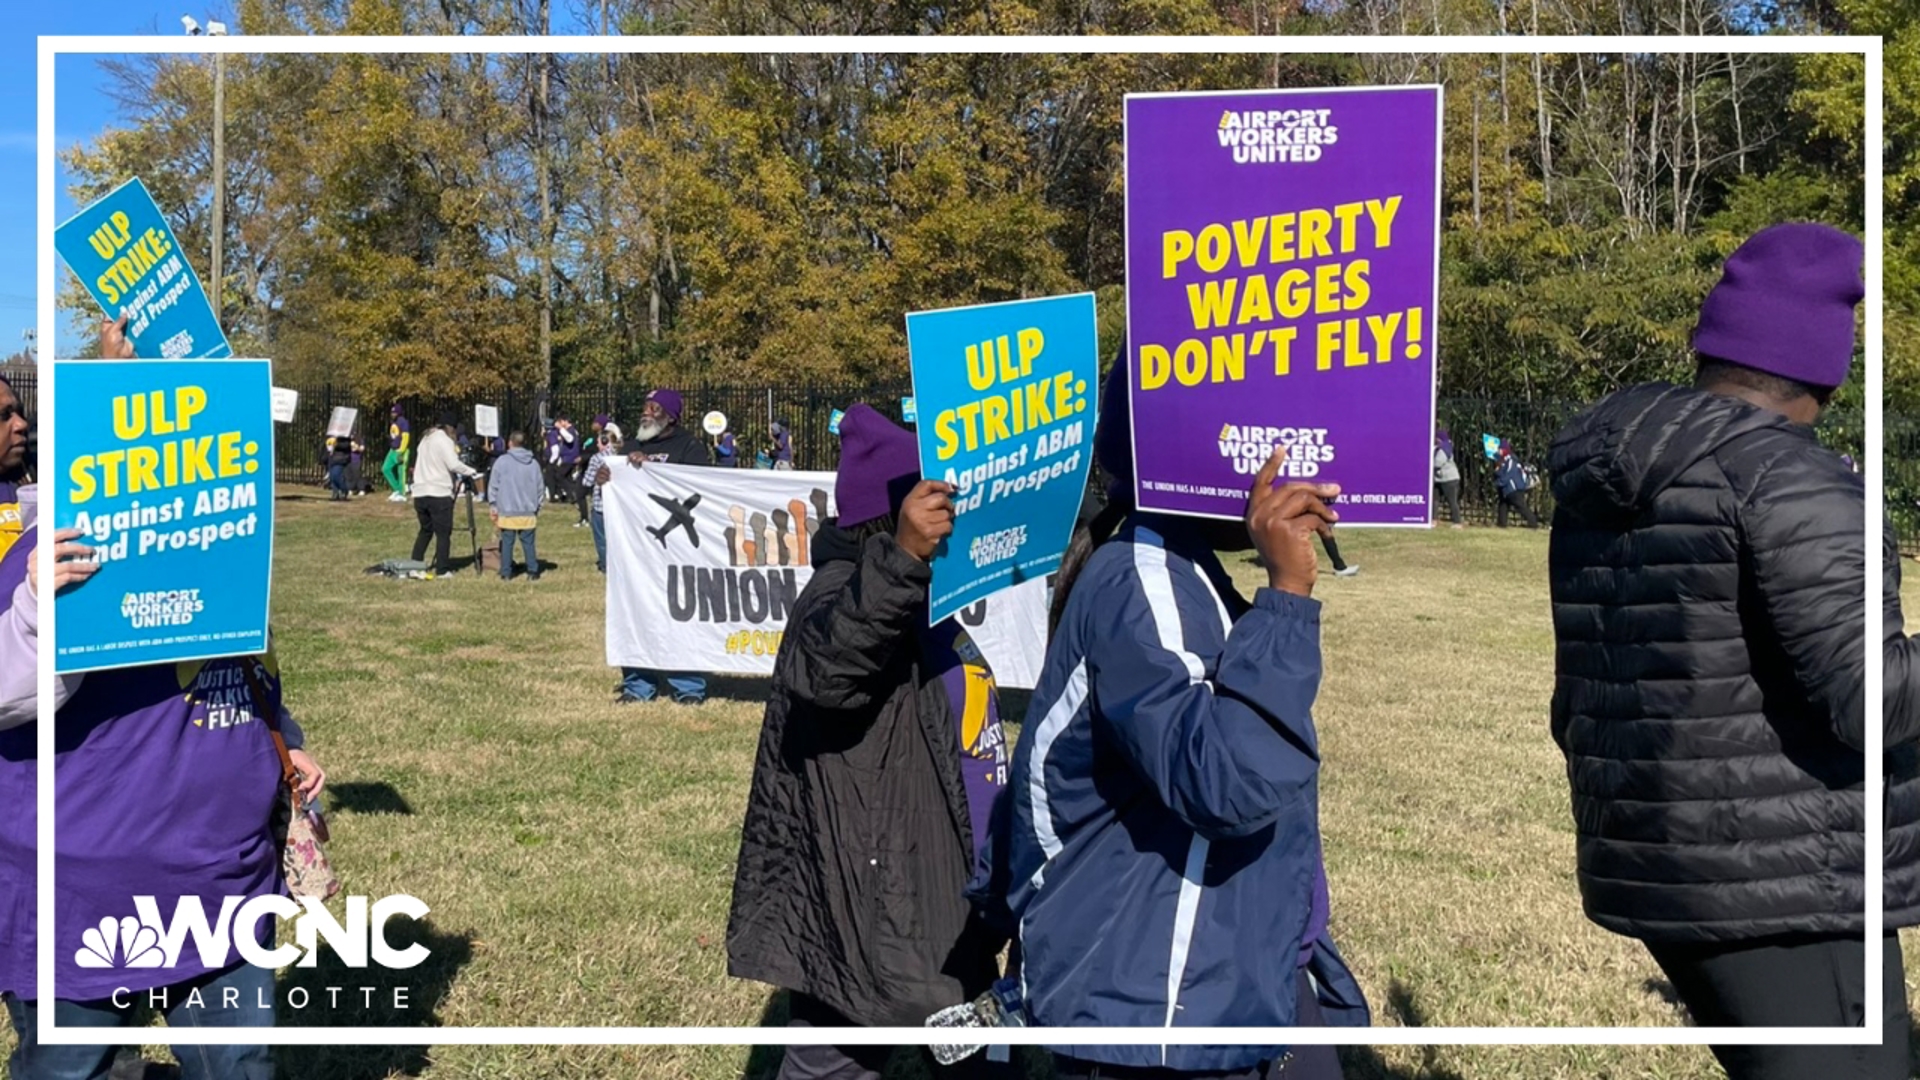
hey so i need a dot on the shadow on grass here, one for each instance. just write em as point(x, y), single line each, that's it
point(336, 995)
point(1365, 1063)
point(1664, 990)
point(381, 798)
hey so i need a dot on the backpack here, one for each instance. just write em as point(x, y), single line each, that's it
point(1531, 475)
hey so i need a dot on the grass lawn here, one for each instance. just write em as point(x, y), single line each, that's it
point(578, 856)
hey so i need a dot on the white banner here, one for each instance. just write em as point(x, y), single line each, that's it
point(704, 564)
point(486, 421)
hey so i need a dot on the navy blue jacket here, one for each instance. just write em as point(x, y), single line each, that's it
point(1162, 834)
point(1510, 477)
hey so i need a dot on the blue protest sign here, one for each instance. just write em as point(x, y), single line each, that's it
point(908, 414)
point(123, 252)
point(166, 468)
point(1010, 394)
point(833, 421)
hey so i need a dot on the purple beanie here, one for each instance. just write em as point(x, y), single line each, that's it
point(1784, 304)
point(879, 465)
point(668, 400)
point(1113, 440)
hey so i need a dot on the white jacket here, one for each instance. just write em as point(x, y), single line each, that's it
point(436, 463)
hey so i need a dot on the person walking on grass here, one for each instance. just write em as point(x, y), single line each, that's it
point(1510, 479)
point(1446, 475)
point(433, 485)
point(660, 440)
point(880, 757)
point(612, 447)
point(515, 492)
point(399, 441)
point(1166, 782)
point(1707, 569)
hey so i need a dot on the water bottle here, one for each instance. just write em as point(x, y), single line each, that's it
point(1000, 1006)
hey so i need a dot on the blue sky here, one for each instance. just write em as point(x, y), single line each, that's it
point(82, 111)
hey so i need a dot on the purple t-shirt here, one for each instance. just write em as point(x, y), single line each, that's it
point(569, 448)
point(975, 708)
point(166, 783)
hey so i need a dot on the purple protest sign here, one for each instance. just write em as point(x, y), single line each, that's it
point(1282, 282)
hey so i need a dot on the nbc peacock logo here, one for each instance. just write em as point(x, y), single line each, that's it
point(120, 943)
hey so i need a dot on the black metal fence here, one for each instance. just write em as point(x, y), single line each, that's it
point(807, 408)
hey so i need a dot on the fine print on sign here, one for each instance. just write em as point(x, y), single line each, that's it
point(1282, 280)
point(166, 469)
point(122, 250)
point(1009, 388)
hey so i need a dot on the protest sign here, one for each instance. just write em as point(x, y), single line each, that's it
point(714, 423)
point(123, 252)
point(166, 468)
point(1282, 283)
point(908, 412)
point(833, 421)
point(486, 421)
point(703, 567)
point(285, 403)
point(1009, 388)
point(1490, 445)
point(340, 424)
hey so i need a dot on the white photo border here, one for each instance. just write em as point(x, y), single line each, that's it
point(1870, 48)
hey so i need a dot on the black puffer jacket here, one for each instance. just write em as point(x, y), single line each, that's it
point(1901, 717)
point(1708, 566)
point(857, 845)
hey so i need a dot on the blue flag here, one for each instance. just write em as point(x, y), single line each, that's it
point(1010, 399)
point(123, 252)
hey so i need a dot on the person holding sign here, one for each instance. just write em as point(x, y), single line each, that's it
point(193, 744)
point(399, 440)
point(659, 439)
point(1167, 781)
point(1708, 575)
point(879, 760)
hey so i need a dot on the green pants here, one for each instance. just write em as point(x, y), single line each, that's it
point(395, 470)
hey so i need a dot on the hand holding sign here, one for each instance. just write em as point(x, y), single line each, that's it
point(73, 563)
point(926, 518)
point(1282, 522)
point(113, 340)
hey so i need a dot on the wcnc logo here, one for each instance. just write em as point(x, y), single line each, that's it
point(148, 941)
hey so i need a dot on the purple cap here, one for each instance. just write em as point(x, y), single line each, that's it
point(668, 400)
point(1784, 304)
point(879, 466)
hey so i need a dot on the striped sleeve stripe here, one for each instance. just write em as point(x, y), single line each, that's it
point(1156, 578)
point(1065, 708)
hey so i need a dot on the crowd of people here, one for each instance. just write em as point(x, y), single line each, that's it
point(1149, 854)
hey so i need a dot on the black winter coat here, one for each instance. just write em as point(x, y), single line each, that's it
point(1900, 716)
point(1708, 566)
point(857, 845)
